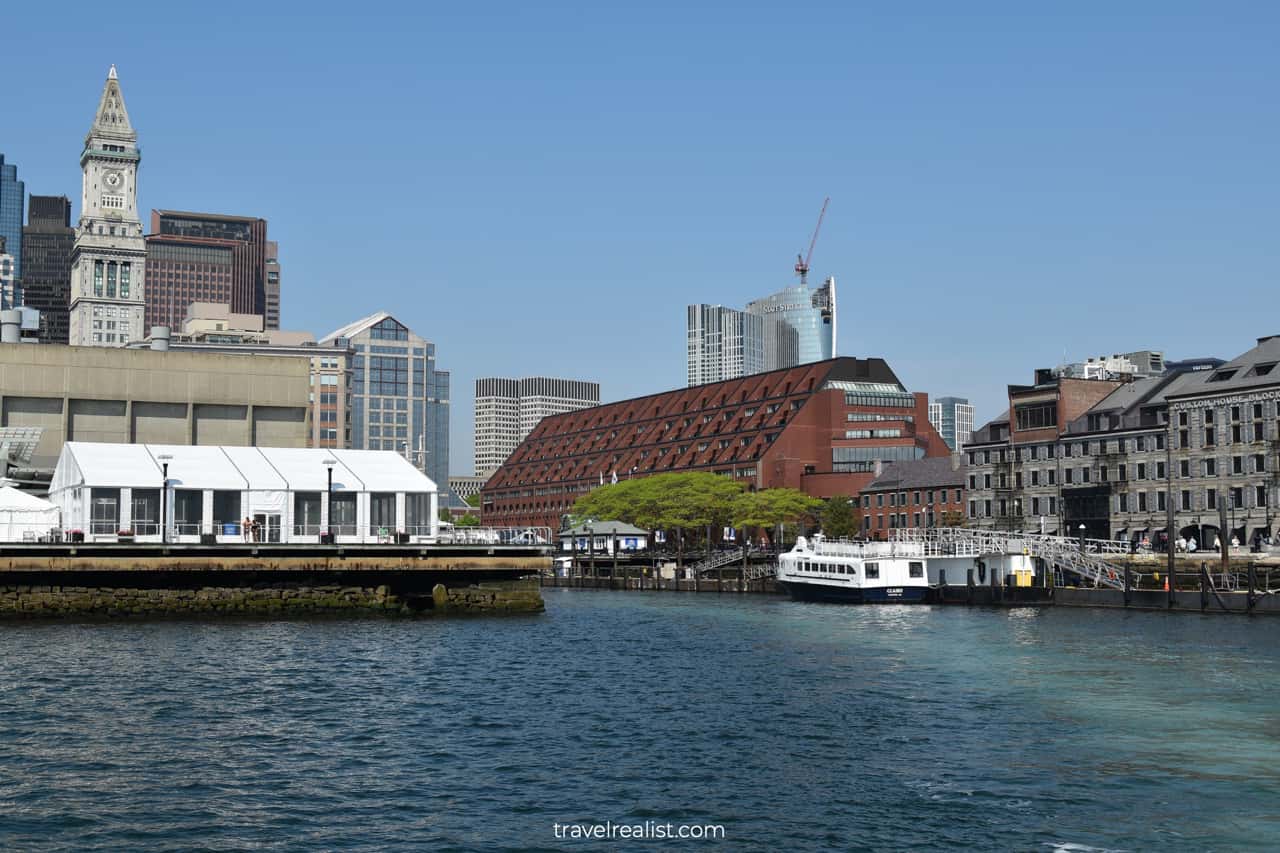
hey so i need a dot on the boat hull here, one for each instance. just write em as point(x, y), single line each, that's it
point(855, 595)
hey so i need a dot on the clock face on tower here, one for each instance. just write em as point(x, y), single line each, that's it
point(113, 180)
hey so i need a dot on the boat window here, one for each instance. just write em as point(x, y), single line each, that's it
point(915, 570)
point(873, 570)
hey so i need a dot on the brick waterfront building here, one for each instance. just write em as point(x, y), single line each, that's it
point(822, 428)
point(210, 257)
point(921, 493)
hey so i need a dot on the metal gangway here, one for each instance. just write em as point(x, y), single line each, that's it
point(1084, 558)
point(716, 561)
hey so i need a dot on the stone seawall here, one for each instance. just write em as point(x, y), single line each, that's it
point(511, 596)
point(283, 598)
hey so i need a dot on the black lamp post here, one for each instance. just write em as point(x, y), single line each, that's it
point(164, 497)
point(1082, 529)
point(328, 498)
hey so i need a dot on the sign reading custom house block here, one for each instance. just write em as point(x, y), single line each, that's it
point(236, 494)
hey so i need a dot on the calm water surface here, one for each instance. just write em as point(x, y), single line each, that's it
point(796, 726)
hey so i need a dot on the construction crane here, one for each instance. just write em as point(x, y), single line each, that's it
point(802, 263)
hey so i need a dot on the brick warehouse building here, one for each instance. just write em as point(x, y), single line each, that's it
point(920, 493)
point(821, 428)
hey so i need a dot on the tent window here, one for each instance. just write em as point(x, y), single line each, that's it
point(146, 512)
point(226, 509)
point(306, 513)
point(417, 511)
point(104, 510)
point(382, 513)
point(342, 513)
point(188, 511)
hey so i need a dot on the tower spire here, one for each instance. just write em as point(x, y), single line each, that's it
point(112, 119)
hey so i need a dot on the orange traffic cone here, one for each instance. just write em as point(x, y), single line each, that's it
point(1166, 584)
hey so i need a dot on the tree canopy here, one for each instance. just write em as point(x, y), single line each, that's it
point(691, 500)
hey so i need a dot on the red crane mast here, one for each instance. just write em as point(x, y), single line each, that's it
point(802, 263)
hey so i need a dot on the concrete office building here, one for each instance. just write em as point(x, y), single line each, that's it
point(210, 257)
point(131, 395)
point(1129, 365)
point(211, 328)
point(467, 487)
point(724, 343)
point(507, 410)
point(271, 312)
point(10, 292)
point(824, 428)
point(109, 257)
point(48, 241)
point(811, 312)
point(12, 200)
point(399, 400)
point(952, 417)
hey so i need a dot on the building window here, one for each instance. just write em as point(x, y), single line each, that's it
point(1211, 498)
point(124, 280)
point(97, 278)
point(1035, 416)
point(111, 279)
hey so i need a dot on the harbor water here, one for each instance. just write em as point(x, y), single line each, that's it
point(792, 726)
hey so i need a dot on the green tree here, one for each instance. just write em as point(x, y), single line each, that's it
point(839, 518)
point(468, 520)
point(474, 500)
point(686, 501)
point(770, 508)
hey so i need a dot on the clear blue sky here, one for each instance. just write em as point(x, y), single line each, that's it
point(541, 187)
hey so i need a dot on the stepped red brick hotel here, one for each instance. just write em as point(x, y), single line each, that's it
point(819, 427)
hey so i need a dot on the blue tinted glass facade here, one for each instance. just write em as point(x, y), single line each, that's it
point(399, 401)
point(13, 194)
point(810, 311)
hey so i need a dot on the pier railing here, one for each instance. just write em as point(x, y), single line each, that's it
point(494, 536)
point(1082, 558)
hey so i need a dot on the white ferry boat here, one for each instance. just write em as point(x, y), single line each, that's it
point(858, 572)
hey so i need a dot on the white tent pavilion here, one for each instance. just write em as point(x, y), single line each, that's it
point(210, 492)
point(25, 517)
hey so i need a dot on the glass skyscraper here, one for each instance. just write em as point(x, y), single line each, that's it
point(811, 312)
point(952, 417)
point(13, 198)
point(398, 400)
